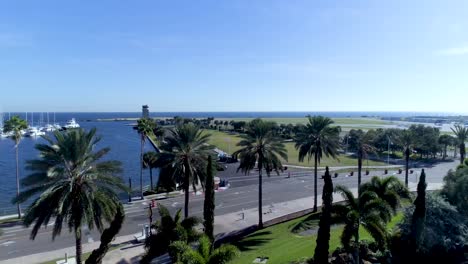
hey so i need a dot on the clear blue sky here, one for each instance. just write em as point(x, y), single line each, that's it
point(234, 55)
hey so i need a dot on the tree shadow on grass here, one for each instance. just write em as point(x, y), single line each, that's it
point(310, 222)
point(252, 241)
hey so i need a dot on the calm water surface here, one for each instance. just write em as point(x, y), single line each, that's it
point(121, 138)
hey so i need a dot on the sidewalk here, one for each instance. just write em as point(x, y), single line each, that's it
point(346, 167)
point(129, 252)
point(227, 223)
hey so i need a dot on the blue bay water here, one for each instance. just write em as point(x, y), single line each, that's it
point(121, 138)
point(124, 141)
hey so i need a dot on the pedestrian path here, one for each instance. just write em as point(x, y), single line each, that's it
point(128, 252)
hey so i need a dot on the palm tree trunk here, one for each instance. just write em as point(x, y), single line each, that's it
point(407, 155)
point(17, 181)
point(462, 152)
point(141, 165)
point(186, 188)
point(260, 204)
point(445, 151)
point(315, 181)
point(357, 241)
point(151, 178)
point(359, 173)
point(78, 244)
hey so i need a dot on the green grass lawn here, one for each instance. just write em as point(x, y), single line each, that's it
point(282, 246)
point(303, 120)
point(84, 257)
point(227, 142)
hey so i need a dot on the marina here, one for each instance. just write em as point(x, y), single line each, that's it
point(122, 139)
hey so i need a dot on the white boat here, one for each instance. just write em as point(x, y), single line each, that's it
point(34, 132)
point(4, 135)
point(49, 128)
point(71, 124)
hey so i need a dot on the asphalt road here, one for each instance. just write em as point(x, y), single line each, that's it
point(243, 194)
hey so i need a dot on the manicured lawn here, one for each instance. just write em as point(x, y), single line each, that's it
point(303, 120)
point(227, 142)
point(224, 141)
point(282, 246)
point(293, 159)
point(84, 257)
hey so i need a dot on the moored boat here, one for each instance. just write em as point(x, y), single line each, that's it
point(71, 124)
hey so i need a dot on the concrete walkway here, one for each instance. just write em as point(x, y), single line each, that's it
point(346, 167)
point(240, 220)
point(129, 252)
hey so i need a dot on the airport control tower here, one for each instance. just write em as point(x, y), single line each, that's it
point(145, 110)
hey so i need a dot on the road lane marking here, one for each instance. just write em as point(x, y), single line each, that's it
point(7, 243)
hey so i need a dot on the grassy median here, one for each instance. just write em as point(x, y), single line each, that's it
point(281, 245)
point(228, 143)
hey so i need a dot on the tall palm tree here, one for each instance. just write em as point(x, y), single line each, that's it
point(461, 133)
point(368, 211)
point(406, 140)
point(158, 132)
point(204, 253)
point(145, 127)
point(74, 186)
point(316, 139)
point(362, 145)
point(184, 152)
point(389, 189)
point(445, 140)
point(16, 125)
point(149, 162)
point(260, 146)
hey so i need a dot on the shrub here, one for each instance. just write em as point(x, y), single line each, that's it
point(443, 237)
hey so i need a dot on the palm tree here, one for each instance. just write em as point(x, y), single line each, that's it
point(184, 152)
point(316, 139)
point(362, 146)
point(406, 141)
point(74, 186)
point(15, 125)
point(389, 189)
point(203, 254)
point(158, 132)
point(169, 229)
point(461, 133)
point(368, 211)
point(261, 147)
point(445, 140)
point(144, 127)
point(149, 162)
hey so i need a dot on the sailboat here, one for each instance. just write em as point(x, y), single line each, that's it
point(57, 125)
point(48, 127)
point(2, 135)
point(33, 131)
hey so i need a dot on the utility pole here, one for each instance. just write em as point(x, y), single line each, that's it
point(388, 151)
point(129, 189)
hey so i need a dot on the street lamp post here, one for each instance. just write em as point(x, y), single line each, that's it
point(388, 150)
point(129, 189)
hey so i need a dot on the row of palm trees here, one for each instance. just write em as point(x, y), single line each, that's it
point(184, 149)
point(76, 188)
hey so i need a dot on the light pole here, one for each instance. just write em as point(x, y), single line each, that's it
point(129, 189)
point(347, 140)
point(388, 151)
